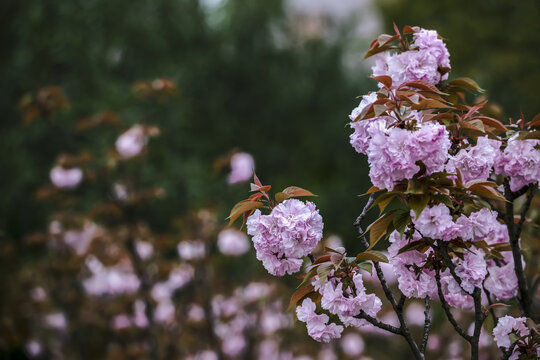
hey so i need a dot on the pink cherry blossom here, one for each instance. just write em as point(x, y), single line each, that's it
point(507, 325)
point(475, 162)
point(291, 231)
point(520, 160)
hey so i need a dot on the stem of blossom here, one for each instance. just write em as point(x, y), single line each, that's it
point(446, 308)
point(398, 309)
point(490, 302)
point(514, 232)
point(427, 325)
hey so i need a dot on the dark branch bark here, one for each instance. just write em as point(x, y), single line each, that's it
point(427, 325)
point(378, 323)
point(446, 309)
point(514, 232)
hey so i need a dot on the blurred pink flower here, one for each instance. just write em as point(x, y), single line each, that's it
point(80, 240)
point(195, 313)
point(232, 242)
point(113, 280)
point(233, 345)
point(164, 311)
point(242, 167)
point(33, 348)
point(66, 178)
point(131, 142)
point(352, 344)
point(191, 250)
point(121, 321)
point(145, 249)
point(140, 319)
point(414, 313)
point(56, 321)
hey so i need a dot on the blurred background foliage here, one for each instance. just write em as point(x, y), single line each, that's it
point(495, 42)
point(250, 76)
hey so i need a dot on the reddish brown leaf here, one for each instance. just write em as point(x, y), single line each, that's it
point(242, 208)
point(383, 79)
point(299, 294)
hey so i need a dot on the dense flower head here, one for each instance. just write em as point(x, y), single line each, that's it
point(520, 160)
point(131, 142)
point(393, 152)
point(291, 231)
point(421, 62)
point(66, 178)
point(502, 281)
point(471, 270)
point(475, 162)
point(317, 325)
point(507, 325)
point(435, 222)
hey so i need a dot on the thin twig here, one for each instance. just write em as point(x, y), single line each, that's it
point(514, 232)
point(427, 325)
point(446, 308)
point(378, 323)
point(398, 308)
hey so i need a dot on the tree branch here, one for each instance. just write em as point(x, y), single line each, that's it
point(398, 308)
point(514, 232)
point(427, 325)
point(446, 308)
point(378, 323)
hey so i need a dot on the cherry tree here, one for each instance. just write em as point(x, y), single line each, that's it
point(453, 185)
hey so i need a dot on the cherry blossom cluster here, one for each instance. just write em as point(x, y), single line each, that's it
point(342, 295)
point(290, 232)
point(395, 144)
point(521, 343)
point(415, 279)
point(423, 61)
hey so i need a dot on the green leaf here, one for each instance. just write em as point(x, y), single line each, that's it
point(308, 276)
point(372, 255)
point(367, 266)
point(379, 228)
point(401, 221)
point(323, 270)
point(413, 245)
point(383, 200)
point(466, 83)
point(418, 203)
point(414, 187)
point(529, 135)
point(443, 199)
